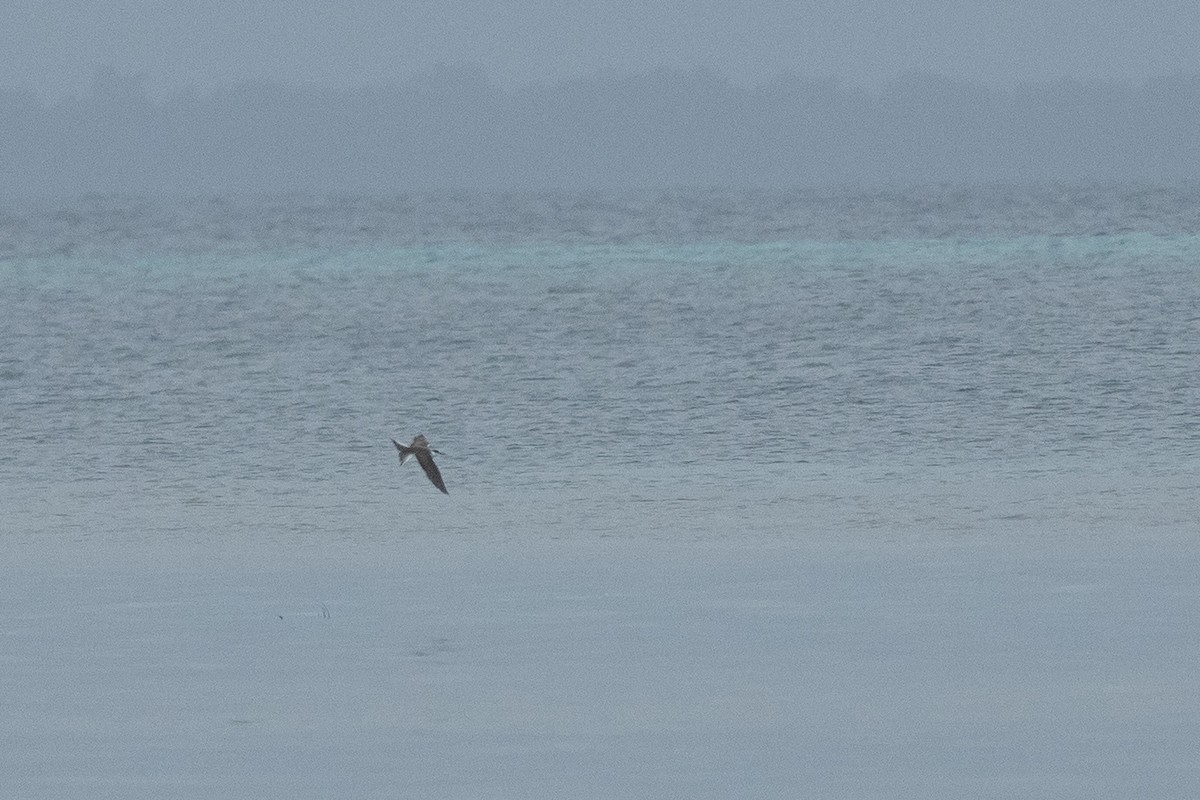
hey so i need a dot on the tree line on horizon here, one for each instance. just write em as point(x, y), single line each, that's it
point(452, 129)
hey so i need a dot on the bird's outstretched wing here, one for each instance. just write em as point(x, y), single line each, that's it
point(425, 459)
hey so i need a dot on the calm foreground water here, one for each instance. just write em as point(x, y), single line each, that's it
point(906, 481)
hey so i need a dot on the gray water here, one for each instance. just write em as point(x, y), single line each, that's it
point(832, 495)
point(800, 365)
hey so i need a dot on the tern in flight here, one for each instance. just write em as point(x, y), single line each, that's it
point(424, 454)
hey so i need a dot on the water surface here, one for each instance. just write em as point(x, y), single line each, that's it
point(860, 495)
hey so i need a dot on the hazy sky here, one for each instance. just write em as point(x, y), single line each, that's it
point(54, 47)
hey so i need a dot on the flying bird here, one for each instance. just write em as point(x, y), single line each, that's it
point(421, 450)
